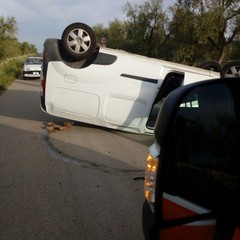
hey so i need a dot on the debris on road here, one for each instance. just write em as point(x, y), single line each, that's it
point(52, 127)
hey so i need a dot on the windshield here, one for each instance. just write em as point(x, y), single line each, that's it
point(30, 61)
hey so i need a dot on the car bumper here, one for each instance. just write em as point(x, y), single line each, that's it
point(149, 223)
point(32, 74)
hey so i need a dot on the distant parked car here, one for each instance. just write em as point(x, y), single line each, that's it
point(84, 82)
point(32, 67)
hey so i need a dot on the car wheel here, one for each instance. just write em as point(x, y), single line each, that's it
point(231, 69)
point(211, 65)
point(79, 41)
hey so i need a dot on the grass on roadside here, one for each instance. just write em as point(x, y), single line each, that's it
point(9, 71)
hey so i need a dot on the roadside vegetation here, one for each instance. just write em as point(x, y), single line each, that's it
point(188, 32)
point(12, 52)
point(9, 71)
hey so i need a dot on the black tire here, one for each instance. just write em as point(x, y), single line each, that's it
point(211, 65)
point(79, 41)
point(231, 69)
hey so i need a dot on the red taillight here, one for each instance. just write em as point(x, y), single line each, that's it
point(43, 75)
point(43, 86)
point(150, 178)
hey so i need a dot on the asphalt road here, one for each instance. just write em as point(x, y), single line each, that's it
point(82, 183)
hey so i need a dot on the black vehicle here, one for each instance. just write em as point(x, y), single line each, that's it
point(192, 183)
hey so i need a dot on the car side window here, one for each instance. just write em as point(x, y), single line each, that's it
point(206, 134)
point(172, 81)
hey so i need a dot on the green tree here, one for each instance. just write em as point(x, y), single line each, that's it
point(27, 48)
point(8, 28)
point(8, 41)
point(117, 35)
point(145, 30)
point(193, 32)
point(101, 31)
point(234, 49)
point(9, 45)
point(204, 29)
point(183, 42)
point(222, 19)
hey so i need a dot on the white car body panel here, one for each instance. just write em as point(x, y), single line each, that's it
point(118, 95)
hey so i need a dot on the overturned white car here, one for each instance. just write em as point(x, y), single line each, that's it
point(110, 88)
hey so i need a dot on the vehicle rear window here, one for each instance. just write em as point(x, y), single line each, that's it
point(208, 152)
point(33, 61)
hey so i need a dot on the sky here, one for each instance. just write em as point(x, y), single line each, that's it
point(38, 20)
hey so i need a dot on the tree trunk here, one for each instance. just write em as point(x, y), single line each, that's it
point(222, 54)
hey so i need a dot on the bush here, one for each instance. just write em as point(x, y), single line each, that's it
point(10, 71)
